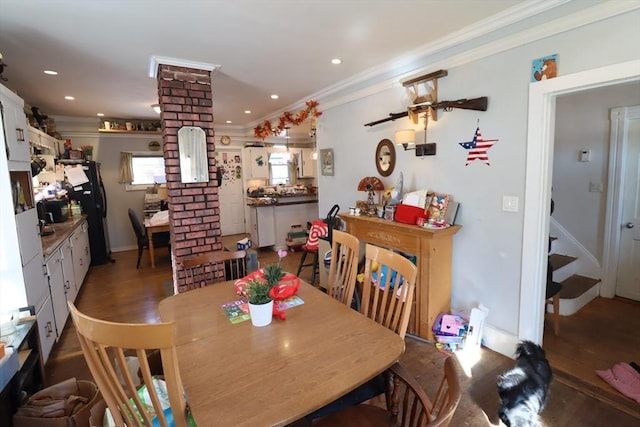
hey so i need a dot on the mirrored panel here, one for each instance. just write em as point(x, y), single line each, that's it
point(192, 145)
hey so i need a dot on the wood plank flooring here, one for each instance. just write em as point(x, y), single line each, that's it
point(120, 292)
point(600, 335)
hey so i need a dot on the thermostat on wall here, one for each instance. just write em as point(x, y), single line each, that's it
point(585, 155)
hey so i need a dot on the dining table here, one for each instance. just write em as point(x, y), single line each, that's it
point(151, 229)
point(237, 374)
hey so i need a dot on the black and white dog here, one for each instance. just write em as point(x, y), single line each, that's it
point(523, 389)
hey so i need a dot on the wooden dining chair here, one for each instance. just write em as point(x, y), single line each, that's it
point(409, 403)
point(105, 346)
point(388, 288)
point(214, 267)
point(343, 269)
point(159, 239)
point(387, 298)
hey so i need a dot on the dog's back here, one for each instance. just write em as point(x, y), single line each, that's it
point(523, 389)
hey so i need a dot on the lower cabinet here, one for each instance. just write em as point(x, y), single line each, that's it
point(58, 289)
point(261, 226)
point(81, 253)
point(46, 329)
point(66, 269)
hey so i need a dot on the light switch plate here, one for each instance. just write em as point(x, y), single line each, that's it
point(510, 203)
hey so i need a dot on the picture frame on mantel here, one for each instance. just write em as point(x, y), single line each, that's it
point(326, 161)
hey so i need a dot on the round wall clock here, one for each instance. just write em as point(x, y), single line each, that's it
point(225, 140)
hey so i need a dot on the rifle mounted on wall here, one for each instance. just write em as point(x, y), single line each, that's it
point(476, 104)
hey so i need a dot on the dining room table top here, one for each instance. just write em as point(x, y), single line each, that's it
point(242, 375)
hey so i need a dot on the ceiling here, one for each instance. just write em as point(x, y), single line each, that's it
point(102, 50)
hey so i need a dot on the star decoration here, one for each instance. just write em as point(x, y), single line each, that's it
point(478, 148)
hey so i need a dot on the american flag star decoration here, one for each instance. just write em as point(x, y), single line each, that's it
point(478, 147)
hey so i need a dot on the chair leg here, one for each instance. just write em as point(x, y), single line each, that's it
point(556, 314)
point(304, 256)
point(315, 266)
point(139, 255)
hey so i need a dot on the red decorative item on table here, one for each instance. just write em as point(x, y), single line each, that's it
point(286, 288)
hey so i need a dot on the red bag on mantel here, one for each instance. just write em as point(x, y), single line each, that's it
point(408, 214)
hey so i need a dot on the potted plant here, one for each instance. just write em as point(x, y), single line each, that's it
point(258, 292)
point(88, 151)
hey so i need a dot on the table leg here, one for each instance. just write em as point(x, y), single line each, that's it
point(151, 253)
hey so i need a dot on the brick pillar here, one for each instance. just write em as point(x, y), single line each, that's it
point(194, 208)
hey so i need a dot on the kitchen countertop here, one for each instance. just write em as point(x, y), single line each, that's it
point(282, 200)
point(62, 230)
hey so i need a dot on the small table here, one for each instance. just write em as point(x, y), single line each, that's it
point(156, 228)
point(241, 375)
point(433, 250)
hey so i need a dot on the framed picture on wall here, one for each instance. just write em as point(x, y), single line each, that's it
point(326, 162)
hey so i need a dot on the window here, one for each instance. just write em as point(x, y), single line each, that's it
point(148, 169)
point(279, 165)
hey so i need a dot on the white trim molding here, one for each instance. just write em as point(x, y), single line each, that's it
point(156, 60)
point(539, 161)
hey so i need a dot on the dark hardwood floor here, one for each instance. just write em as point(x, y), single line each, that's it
point(120, 292)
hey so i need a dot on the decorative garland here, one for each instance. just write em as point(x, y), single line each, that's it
point(264, 130)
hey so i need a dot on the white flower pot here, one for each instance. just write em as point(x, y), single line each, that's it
point(262, 314)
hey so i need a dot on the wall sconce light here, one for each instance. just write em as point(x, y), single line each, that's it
point(156, 108)
point(406, 138)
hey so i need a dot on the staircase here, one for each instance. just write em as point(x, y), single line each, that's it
point(575, 275)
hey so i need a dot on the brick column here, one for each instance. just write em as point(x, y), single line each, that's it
point(194, 208)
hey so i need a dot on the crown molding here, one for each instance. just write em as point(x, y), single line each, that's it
point(156, 60)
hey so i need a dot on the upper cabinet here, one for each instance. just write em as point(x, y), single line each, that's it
point(256, 160)
point(15, 126)
point(307, 163)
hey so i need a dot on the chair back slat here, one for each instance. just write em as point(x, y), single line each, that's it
point(343, 269)
point(213, 267)
point(388, 289)
point(106, 346)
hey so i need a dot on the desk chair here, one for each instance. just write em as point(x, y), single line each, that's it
point(343, 269)
point(388, 289)
point(318, 229)
point(159, 239)
point(409, 403)
point(214, 267)
point(552, 297)
point(104, 344)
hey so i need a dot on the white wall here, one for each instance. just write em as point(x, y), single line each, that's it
point(487, 250)
point(582, 123)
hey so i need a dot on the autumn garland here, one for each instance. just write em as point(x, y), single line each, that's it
point(266, 129)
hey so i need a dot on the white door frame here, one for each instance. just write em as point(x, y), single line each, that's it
point(539, 167)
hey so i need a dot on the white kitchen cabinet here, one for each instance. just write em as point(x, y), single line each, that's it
point(261, 224)
point(29, 235)
point(15, 126)
point(35, 283)
point(81, 253)
point(256, 161)
point(68, 271)
point(307, 164)
point(46, 329)
point(58, 290)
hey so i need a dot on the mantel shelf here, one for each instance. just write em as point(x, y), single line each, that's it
point(138, 132)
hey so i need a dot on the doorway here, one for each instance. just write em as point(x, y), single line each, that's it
point(541, 125)
point(230, 193)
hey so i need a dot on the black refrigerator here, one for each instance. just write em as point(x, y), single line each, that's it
point(93, 199)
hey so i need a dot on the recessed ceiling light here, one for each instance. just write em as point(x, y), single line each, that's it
point(51, 72)
point(69, 98)
point(229, 122)
point(100, 114)
point(274, 96)
point(247, 111)
point(336, 61)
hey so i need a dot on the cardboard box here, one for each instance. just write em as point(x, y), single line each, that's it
point(85, 389)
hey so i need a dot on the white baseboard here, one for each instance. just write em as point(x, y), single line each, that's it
point(124, 248)
point(499, 341)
